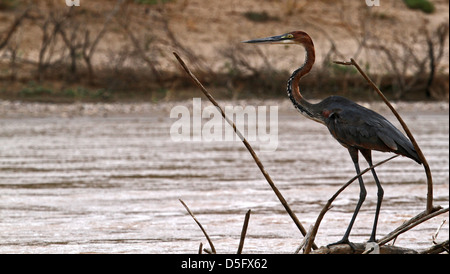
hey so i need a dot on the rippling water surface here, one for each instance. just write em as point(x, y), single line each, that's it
point(113, 184)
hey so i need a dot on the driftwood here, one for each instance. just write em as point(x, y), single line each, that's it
point(437, 248)
point(360, 248)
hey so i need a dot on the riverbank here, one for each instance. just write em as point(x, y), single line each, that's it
point(105, 51)
point(17, 109)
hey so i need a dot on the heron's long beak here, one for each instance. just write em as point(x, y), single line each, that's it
point(279, 39)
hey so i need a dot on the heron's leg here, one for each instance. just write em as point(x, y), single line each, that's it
point(368, 155)
point(362, 197)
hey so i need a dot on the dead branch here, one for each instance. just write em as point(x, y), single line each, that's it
point(418, 219)
point(360, 249)
point(13, 27)
point(247, 145)
point(434, 237)
point(142, 54)
point(435, 57)
point(71, 43)
point(194, 58)
point(244, 232)
point(201, 227)
point(48, 39)
point(90, 47)
point(437, 248)
point(200, 247)
point(305, 240)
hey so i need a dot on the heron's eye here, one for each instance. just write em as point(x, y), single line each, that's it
point(289, 36)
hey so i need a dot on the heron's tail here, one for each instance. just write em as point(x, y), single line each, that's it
point(409, 151)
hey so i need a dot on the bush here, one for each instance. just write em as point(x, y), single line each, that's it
point(259, 16)
point(423, 5)
point(8, 4)
point(35, 90)
point(151, 2)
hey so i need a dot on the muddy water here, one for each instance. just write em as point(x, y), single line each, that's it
point(112, 184)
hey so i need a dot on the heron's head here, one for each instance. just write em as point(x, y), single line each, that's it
point(295, 37)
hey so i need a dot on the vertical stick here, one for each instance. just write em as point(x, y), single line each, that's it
point(201, 227)
point(244, 232)
point(200, 248)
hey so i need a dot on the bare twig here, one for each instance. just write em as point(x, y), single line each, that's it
point(142, 54)
point(437, 248)
point(360, 248)
point(207, 251)
point(200, 248)
point(435, 235)
point(368, 251)
point(328, 204)
point(4, 40)
point(201, 227)
point(247, 145)
point(90, 47)
point(429, 206)
point(72, 44)
point(48, 44)
point(305, 240)
point(418, 219)
point(244, 232)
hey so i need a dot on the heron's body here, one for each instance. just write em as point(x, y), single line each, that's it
point(355, 127)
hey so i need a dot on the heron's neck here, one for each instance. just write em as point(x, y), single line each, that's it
point(293, 88)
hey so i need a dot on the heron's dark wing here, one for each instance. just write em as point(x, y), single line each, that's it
point(363, 128)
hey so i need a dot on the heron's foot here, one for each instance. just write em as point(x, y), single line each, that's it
point(344, 241)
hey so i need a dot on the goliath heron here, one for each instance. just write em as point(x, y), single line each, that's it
point(353, 126)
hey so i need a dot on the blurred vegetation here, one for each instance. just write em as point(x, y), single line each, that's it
point(152, 2)
point(33, 91)
point(8, 4)
point(261, 17)
point(423, 5)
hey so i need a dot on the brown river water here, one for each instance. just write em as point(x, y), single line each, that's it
point(111, 183)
